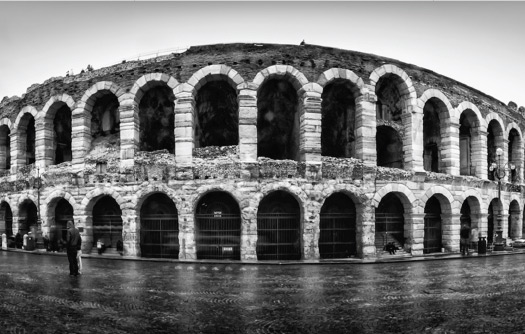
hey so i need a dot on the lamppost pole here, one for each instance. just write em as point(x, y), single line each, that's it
point(38, 185)
point(499, 173)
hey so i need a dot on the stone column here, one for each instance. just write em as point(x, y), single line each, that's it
point(483, 225)
point(365, 125)
point(415, 230)
point(450, 232)
point(413, 141)
point(479, 153)
point(187, 244)
point(450, 155)
point(44, 142)
point(247, 101)
point(86, 222)
point(80, 135)
point(131, 232)
point(129, 134)
point(365, 230)
point(18, 144)
point(310, 134)
point(184, 128)
point(505, 160)
point(311, 230)
point(249, 231)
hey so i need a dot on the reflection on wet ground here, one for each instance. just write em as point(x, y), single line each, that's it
point(476, 295)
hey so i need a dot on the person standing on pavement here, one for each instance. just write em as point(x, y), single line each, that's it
point(464, 234)
point(72, 244)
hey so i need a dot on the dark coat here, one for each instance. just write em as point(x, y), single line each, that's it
point(73, 239)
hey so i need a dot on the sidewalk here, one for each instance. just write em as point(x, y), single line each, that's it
point(383, 258)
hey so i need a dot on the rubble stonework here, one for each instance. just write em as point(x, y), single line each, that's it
point(384, 97)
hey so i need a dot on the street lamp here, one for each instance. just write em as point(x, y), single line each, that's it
point(499, 172)
point(38, 185)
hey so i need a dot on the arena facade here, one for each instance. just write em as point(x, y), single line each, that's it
point(261, 152)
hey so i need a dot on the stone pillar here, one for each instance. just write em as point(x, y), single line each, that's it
point(184, 128)
point(365, 125)
point(131, 232)
point(86, 223)
point(450, 232)
point(247, 101)
point(249, 231)
point(187, 244)
point(17, 149)
point(483, 225)
point(129, 133)
point(505, 160)
point(413, 141)
point(80, 135)
point(311, 230)
point(310, 134)
point(365, 230)
point(4, 241)
point(479, 153)
point(450, 148)
point(44, 142)
point(415, 230)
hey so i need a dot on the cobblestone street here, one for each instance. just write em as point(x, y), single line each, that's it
point(471, 295)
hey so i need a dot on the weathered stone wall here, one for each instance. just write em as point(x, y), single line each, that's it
point(114, 165)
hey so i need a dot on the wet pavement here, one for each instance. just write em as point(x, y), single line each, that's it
point(469, 295)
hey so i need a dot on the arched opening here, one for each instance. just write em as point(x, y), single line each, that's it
point(513, 220)
point(338, 119)
point(389, 146)
point(218, 227)
point(389, 105)
point(468, 123)
point(514, 155)
point(338, 227)
point(5, 148)
point(58, 227)
point(27, 217)
point(469, 215)
point(279, 227)
point(157, 120)
point(105, 120)
point(6, 220)
point(159, 227)
point(277, 120)
point(432, 241)
point(390, 222)
point(433, 117)
point(494, 141)
point(26, 139)
point(62, 135)
point(107, 222)
point(493, 212)
point(216, 120)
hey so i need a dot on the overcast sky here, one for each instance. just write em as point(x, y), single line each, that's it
point(481, 44)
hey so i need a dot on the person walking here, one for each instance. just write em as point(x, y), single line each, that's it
point(464, 234)
point(72, 244)
point(79, 255)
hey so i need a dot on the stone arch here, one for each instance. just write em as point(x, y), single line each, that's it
point(54, 134)
point(82, 115)
point(211, 73)
point(436, 132)
point(22, 152)
point(57, 195)
point(515, 218)
point(148, 81)
point(395, 96)
point(206, 189)
point(496, 139)
point(153, 104)
point(5, 144)
point(332, 74)
point(515, 151)
point(86, 205)
point(299, 195)
point(290, 73)
point(444, 197)
point(472, 142)
point(215, 92)
point(151, 189)
point(25, 110)
point(281, 111)
point(410, 202)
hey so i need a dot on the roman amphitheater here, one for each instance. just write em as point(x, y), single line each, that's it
point(261, 152)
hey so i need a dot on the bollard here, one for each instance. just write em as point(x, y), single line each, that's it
point(4, 241)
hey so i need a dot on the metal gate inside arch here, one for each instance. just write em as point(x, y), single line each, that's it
point(278, 228)
point(338, 227)
point(159, 228)
point(218, 227)
point(107, 223)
